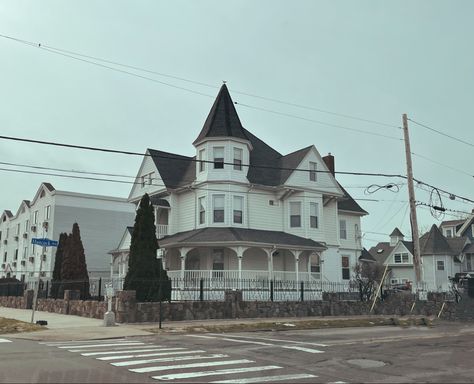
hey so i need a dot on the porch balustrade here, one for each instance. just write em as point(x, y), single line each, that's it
point(161, 230)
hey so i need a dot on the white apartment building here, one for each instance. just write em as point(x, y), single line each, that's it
point(51, 212)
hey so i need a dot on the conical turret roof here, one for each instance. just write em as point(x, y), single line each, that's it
point(222, 120)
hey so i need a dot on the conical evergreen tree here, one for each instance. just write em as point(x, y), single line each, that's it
point(145, 272)
point(74, 273)
point(57, 265)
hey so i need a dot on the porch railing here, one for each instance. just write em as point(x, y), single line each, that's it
point(191, 275)
point(161, 230)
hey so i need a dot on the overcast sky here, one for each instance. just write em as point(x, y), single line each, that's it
point(371, 59)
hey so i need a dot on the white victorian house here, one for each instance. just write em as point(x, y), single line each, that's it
point(239, 209)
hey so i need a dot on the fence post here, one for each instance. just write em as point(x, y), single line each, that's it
point(201, 289)
point(47, 289)
point(100, 289)
point(302, 291)
point(271, 290)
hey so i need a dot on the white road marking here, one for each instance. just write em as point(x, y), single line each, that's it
point(192, 365)
point(101, 345)
point(177, 353)
point(156, 353)
point(247, 342)
point(5, 341)
point(168, 359)
point(202, 336)
point(271, 339)
point(140, 348)
point(58, 343)
point(302, 349)
point(265, 379)
point(190, 375)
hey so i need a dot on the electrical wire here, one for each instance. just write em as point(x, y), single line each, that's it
point(292, 104)
point(395, 188)
point(442, 133)
point(443, 165)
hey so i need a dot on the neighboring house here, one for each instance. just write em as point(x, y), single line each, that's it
point(51, 212)
point(238, 210)
point(441, 258)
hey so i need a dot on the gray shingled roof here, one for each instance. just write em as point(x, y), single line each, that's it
point(397, 232)
point(222, 120)
point(175, 170)
point(205, 236)
point(347, 203)
point(387, 249)
point(159, 202)
point(434, 243)
point(457, 244)
point(366, 256)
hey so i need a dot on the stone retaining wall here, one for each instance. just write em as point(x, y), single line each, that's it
point(127, 310)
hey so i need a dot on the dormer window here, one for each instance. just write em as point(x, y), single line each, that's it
point(449, 233)
point(218, 157)
point(238, 159)
point(202, 157)
point(312, 171)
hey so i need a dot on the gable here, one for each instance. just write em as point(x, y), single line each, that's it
point(43, 190)
point(325, 181)
point(465, 227)
point(147, 168)
point(399, 248)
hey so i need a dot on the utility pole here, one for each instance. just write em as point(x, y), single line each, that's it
point(411, 194)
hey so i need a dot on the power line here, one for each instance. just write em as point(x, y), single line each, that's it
point(69, 52)
point(443, 165)
point(442, 133)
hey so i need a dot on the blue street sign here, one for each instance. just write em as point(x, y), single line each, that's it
point(44, 242)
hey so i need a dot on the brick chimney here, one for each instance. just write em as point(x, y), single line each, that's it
point(329, 160)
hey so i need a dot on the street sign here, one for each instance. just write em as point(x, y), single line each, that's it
point(44, 242)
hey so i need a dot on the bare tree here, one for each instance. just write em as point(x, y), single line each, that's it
point(367, 275)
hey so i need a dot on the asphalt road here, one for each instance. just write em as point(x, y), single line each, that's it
point(351, 355)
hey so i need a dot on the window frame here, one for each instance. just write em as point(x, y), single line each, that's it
point(202, 210)
point(313, 171)
point(214, 199)
point(298, 216)
point(218, 164)
point(237, 161)
point(438, 265)
point(346, 270)
point(316, 216)
point(202, 156)
point(234, 210)
point(343, 230)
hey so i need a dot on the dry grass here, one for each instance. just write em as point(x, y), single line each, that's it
point(296, 325)
point(16, 326)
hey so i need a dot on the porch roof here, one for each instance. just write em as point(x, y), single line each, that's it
point(238, 236)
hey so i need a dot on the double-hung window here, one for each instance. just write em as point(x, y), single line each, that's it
point(238, 209)
point(202, 210)
point(312, 171)
point(47, 212)
point(218, 208)
point(313, 215)
point(35, 217)
point(295, 214)
point(238, 159)
point(342, 229)
point(346, 275)
point(218, 157)
point(202, 157)
point(440, 265)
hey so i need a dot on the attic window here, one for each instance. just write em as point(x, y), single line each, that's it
point(312, 171)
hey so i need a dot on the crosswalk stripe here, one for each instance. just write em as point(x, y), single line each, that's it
point(134, 362)
point(115, 352)
point(101, 345)
point(303, 349)
point(190, 375)
point(5, 341)
point(266, 379)
point(192, 365)
point(159, 352)
point(247, 342)
point(58, 343)
point(168, 359)
point(268, 339)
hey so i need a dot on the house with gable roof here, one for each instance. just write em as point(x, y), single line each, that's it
point(441, 258)
point(239, 209)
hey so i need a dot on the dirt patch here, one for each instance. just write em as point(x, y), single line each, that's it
point(295, 325)
point(16, 326)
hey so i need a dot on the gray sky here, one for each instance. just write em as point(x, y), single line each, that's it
point(372, 59)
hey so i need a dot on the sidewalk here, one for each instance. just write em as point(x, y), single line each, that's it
point(69, 327)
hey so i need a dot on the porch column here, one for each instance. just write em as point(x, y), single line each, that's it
point(269, 252)
point(240, 255)
point(111, 267)
point(296, 254)
point(182, 254)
